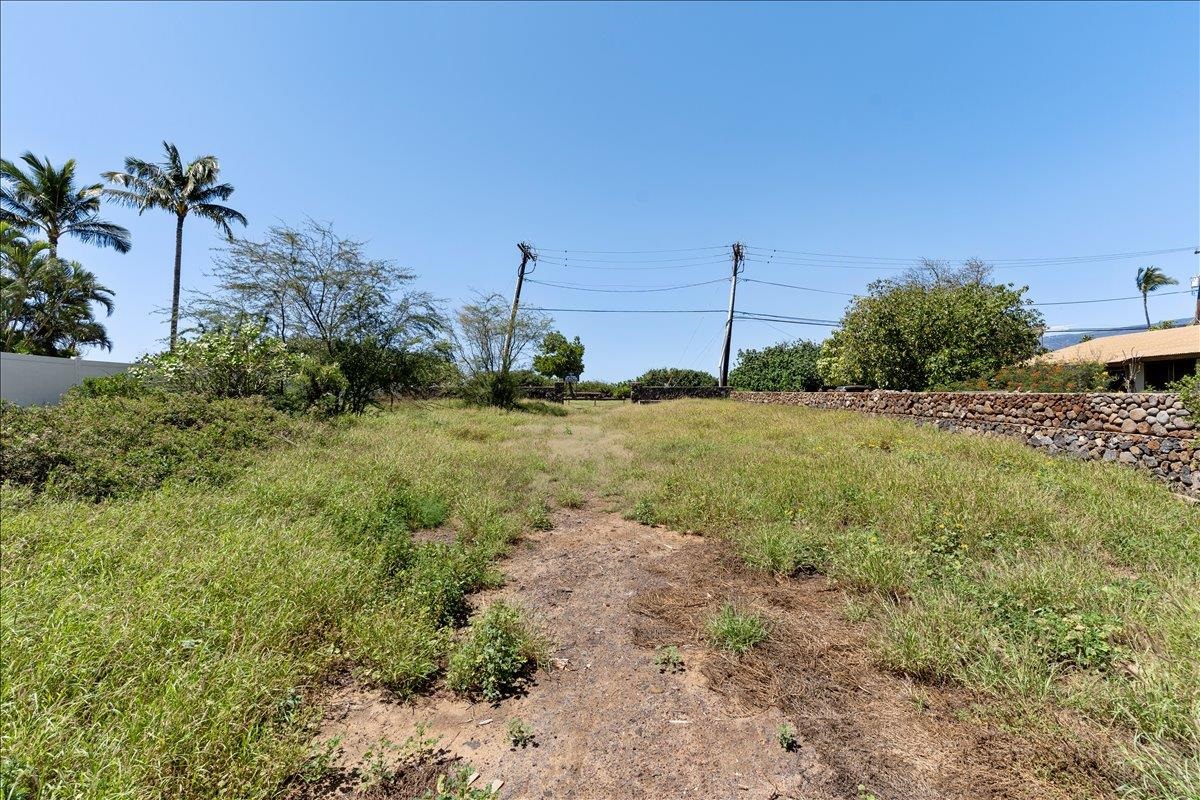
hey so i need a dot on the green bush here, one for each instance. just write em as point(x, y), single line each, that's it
point(499, 649)
point(1080, 376)
point(94, 446)
point(240, 362)
point(1188, 389)
point(671, 376)
point(492, 389)
point(784, 367)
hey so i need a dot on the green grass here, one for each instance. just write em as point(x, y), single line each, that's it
point(734, 631)
point(169, 645)
point(1042, 582)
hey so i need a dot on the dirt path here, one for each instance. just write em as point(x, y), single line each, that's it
point(609, 724)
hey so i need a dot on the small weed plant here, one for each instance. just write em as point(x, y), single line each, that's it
point(787, 738)
point(734, 631)
point(520, 733)
point(456, 785)
point(499, 650)
point(668, 659)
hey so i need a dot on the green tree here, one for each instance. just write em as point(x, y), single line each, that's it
point(181, 190)
point(672, 376)
point(325, 297)
point(931, 328)
point(783, 367)
point(47, 199)
point(47, 303)
point(1150, 279)
point(559, 357)
point(479, 334)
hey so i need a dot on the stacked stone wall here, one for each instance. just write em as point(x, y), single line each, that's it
point(640, 393)
point(1150, 431)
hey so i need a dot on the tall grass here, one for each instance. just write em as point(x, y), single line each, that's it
point(169, 645)
point(1035, 580)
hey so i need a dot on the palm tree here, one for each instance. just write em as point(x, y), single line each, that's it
point(46, 198)
point(181, 190)
point(46, 303)
point(1150, 279)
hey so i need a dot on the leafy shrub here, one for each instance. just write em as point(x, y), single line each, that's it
point(122, 384)
point(492, 389)
point(734, 631)
point(499, 649)
point(784, 367)
point(93, 447)
point(238, 362)
point(671, 376)
point(1081, 376)
point(932, 328)
point(1188, 389)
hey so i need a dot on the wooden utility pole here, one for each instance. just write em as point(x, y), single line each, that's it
point(527, 255)
point(738, 255)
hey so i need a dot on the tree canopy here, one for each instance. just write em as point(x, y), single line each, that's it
point(559, 356)
point(673, 376)
point(933, 326)
point(47, 304)
point(181, 189)
point(783, 367)
point(46, 199)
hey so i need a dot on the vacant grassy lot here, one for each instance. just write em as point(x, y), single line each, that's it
point(167, 645)
point(1067, 592)
point(170, 645)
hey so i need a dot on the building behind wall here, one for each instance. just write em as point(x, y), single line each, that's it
point(1144, 361)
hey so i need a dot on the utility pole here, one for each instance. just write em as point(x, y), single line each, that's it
point(527, 255)
point(1196, 286)
point(738, 255)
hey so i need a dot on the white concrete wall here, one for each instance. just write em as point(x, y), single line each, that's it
point(41, 380)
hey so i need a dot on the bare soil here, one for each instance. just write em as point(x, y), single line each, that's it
point(608, 723)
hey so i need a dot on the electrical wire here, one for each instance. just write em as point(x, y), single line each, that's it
point(635, 252)
point(1041, 260)
point(801, 288)
point(613, 289)
point(1108, 299)
point(630, 310)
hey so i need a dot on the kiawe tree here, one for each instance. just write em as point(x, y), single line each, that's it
point(559, 357)
point(47, 199)
point(180, 189)
point(1150, 279)
point(931, 327)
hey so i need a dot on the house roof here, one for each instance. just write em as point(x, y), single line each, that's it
point(1170, 343)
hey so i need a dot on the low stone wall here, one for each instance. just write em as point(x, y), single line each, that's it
point(652, 394)
point(553, 394)
point(1153, 432)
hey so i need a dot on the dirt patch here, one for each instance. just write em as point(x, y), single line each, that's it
point(608, 723)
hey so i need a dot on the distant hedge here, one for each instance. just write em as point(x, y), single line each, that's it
point(672, 376)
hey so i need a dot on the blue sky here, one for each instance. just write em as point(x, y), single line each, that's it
point(444, 134)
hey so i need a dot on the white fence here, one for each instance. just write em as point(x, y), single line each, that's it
point(41, 380)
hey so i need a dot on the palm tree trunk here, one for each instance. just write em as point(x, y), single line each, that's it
point(179, 269)
point(1146, 308)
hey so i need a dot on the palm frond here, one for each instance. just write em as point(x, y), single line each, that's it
point(221, 215)
point(105, 234)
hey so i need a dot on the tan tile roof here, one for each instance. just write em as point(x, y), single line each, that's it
point(1170, 343)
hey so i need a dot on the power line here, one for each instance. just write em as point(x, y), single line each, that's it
point(580, 288)
point(630, 310)
point(635, 266)
point(1108, 299)
point(635, 252)
point(1040, 260)
point(801, 288)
